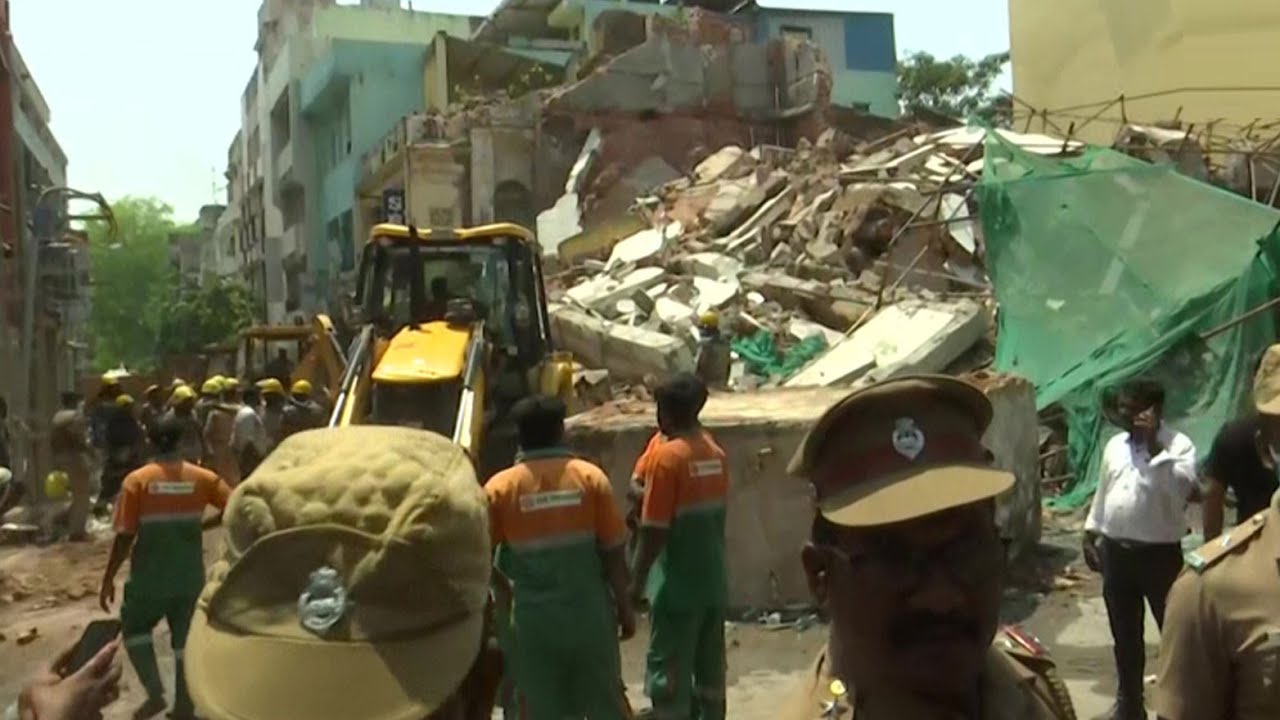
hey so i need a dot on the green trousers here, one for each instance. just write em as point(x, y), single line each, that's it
point(685, 667)
point(139, 617)
point(567, 664)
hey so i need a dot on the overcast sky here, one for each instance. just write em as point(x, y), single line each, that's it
point(145, 93)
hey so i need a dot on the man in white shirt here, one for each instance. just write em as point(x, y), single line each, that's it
point(249, 434)
point(1135, 526)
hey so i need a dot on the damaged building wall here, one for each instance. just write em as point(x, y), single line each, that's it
point(770, 512)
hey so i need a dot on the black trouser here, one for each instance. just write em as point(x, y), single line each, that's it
point(1131, 573)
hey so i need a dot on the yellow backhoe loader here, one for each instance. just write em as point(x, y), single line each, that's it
point(454, 330)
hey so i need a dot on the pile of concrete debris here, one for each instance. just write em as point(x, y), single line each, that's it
point(868, 255)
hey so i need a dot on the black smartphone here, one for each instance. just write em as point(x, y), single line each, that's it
point(95, 637)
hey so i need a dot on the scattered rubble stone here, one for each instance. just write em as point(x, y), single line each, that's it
point(873, 246)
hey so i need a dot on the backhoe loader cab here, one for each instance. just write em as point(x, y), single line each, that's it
point(455, 330)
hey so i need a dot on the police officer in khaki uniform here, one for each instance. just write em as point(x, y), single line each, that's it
point(1220, 647)
point(354, 584)
point(906, 560)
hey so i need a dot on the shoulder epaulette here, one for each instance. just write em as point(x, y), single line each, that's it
point(1211, 552)
point(1026, 650)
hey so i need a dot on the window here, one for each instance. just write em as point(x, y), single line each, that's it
point(795, 32)
point(346, 243)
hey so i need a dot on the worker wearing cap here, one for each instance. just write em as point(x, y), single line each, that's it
point(714, 356)
point(301, 412)
point(126, 444)
point(680, 562)
point(102, 408)
point(159, 523)
point(273, 403)
point(182, 407)
point(354, 584)
point(560, 540)
point(210, 395)
point(1220, 643)
point(905, 559)
point(152, 407)
point(217, 429)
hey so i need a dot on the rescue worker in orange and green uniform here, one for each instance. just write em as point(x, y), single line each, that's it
point(559, 538)
point(159, 522)
point(680, 563)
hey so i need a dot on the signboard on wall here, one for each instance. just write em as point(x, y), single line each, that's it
point(393, 206)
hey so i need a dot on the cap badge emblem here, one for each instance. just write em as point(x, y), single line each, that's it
point(324, 602)
point(908, 439)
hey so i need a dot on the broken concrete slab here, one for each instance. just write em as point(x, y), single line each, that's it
point(712, 265)
point(1013, 437)
point(790, 292)
point(643, 247)
point(674, 313)
point(910, 337)
point(742, 199)
point(628, 353)
point(603, 291)
point(802, 329)
point(715, 294)
point(729, 163)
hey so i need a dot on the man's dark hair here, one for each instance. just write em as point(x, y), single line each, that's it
point(681, 398)
point(4, 406)
point(70, 400)
point(1143, 393)
point(251, 395)
point(165, 435)
point(539, 421)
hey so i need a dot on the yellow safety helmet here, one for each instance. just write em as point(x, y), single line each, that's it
point(56, 485)
point(301, 387)
point(182, 393)
point(230, 384)
point(109, 380)
point(177, 383)
point(271, 385)
point(709, 319)
point(125, 400)
point(212, 386)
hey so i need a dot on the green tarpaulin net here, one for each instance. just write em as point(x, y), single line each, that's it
point(762, 358)
point(1106, 268)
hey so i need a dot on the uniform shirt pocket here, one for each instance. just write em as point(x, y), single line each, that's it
point(1259, 673)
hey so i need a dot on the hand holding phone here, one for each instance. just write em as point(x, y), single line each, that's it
point(95, 637)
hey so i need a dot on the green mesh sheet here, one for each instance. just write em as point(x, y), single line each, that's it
point(762, 358)
point(1106, 268)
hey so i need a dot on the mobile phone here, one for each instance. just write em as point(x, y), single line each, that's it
point(95, 637)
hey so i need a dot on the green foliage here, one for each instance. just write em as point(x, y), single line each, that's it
point(141, 313)
point(200, 316)
point(960, 88)
point(132, 281)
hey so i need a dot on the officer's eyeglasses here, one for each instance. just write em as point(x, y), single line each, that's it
point(968, 563)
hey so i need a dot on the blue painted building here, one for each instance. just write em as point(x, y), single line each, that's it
point(860, 47)
point(351, 97)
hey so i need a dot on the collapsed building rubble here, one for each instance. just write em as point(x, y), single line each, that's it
point(872, 261)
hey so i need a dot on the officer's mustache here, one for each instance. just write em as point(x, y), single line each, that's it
point(926, 627)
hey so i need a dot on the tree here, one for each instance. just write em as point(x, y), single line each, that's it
point(132, 276)
point(142, 313)
point(201, 316)
point(960, 88)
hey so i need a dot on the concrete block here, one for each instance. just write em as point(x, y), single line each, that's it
point(603, 291)
point(788, 291)
point(769, 512)
point(644, 246)
point(628, 353)
point(559, 223)
point(715, 294)
point(714, 266)
point(802, 329)
point(673, 312)
point(1014, 439)
point(729, 162)
point(745, 204)
point(909, 337)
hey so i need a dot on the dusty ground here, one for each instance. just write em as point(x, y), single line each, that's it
point(54, 591)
